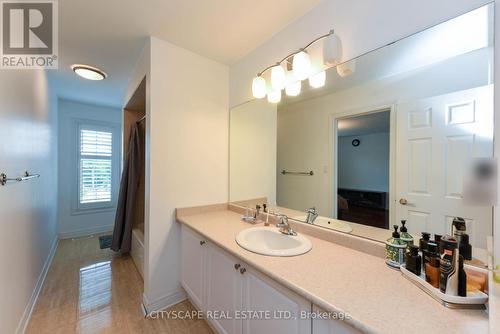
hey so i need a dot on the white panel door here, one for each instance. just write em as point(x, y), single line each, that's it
point(261, 294)
point(223, 294)
point(436, 139)
point(193, 270)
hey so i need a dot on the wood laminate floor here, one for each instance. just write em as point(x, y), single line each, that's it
point(89, 290)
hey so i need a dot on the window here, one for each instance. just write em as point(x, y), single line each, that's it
point(95, 161)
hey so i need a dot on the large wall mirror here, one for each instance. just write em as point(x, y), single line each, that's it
point(389, 137)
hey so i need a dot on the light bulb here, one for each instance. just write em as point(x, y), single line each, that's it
point(332, 50)
point(317, 80)
point(259, 87)
point(274, 96)
point(301, 65)
point(346, 69)
point(278, 77)
point(293, 88)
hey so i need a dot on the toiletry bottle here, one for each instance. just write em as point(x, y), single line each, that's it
point(462, 278)
point(395, 249)
point(459, 231)
point(426, 237)
point(257, 212)
point(266, 223)
point(405, 236)
point(423, 246)
point(413, 260)
point(432, 270)
point(437, 241)
point(449, 266)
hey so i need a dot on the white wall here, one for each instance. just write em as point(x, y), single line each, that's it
point(72, 224)
point(28, 137)
point(188, 122)
point(252, 150)
point(365, 167)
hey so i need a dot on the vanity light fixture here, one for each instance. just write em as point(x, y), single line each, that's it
point(278, 77)
point(301, 66)
point(274, 96)
point(259, 87)
point(317, 80)
point(293, 88)
point(332, 50)
point(346, 69)
point(89, 72)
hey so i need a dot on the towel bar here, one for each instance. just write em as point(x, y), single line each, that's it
point(26, 176)
point(309, 173)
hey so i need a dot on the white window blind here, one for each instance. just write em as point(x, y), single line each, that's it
point(96, 152)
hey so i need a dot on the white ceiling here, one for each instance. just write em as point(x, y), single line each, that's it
point(110, 34)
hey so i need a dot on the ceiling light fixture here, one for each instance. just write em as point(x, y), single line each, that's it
point(300, 64)
point(89, 72)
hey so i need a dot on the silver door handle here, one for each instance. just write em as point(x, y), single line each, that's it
point(403, 201)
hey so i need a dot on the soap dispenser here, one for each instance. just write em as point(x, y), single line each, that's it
point(405, 236)
point(395, 250)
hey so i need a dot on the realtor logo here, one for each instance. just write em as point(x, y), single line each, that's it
point(29, 34)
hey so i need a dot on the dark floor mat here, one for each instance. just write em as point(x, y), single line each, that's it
point(105, 241)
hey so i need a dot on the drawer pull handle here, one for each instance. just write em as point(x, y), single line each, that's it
point(242, 271)
point(237, 266)
point(202, 242)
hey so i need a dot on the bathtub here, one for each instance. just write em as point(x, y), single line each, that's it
point(137, 250)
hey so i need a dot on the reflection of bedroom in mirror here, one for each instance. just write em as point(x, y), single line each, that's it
point(362, 164)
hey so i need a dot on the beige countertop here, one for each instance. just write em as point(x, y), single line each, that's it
point(340, 279)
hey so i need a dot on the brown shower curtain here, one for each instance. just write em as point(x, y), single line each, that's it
point(122, 233)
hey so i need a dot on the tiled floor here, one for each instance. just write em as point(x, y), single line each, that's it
point(89, 290)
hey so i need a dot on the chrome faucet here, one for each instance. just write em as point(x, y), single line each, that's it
point(284, 226)
point(312, 214)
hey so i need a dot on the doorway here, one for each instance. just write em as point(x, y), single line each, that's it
point(362, 164)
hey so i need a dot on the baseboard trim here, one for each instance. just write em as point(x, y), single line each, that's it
point(164, 302)
point(86, 232)
point(21, 328)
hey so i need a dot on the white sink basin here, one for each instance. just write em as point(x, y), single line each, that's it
point(270, 241)
point(334, 224)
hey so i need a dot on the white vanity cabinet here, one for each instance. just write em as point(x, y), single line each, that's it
point(193, 266)
point(284, 308)
point(221, 285)
point(329, 326)
point(223, 290)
